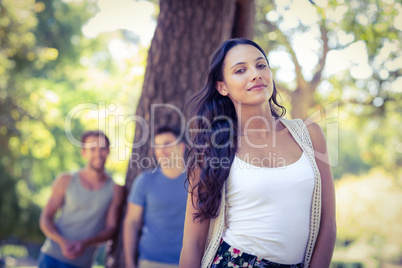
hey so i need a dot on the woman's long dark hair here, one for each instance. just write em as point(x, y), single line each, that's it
point(214, 119)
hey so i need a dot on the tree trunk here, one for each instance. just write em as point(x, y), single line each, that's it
point(187, 34)
point(243, 25)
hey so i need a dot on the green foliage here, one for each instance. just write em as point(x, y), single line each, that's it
point(21, 214)
point(350, 161)
point(13, 250)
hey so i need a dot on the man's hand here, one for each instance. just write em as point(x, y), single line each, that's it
point(67, 249)
point(78, 248)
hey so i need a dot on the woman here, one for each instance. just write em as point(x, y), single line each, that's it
point(262, 192)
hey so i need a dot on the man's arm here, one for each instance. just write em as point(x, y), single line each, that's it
point(46, 221)
point(112, 220)
point(132, 226)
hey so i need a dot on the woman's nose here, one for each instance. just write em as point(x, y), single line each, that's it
point(255, 75)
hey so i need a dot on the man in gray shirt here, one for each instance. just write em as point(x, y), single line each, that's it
point(89, 201)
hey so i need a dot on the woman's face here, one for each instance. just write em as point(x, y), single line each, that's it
point(247, 78)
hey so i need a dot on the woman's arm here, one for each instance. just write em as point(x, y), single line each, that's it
point(195, 234)
point(324, 246)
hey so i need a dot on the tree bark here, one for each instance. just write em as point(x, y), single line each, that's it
point(187, 34)
point(243, 25)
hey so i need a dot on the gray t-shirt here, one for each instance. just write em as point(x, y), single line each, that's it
point(164, 202)
point(83, 215)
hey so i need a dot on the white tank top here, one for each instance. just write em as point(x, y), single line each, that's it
point(268, 209)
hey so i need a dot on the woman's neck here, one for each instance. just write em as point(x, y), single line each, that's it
point(255, 120)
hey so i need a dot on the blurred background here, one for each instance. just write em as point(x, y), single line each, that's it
point(71, 65)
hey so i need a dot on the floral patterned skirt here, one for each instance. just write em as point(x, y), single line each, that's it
point(228, 256)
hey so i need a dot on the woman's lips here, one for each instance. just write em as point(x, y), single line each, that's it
point(256, 87)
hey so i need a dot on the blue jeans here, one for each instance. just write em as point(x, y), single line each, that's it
point(45, 261)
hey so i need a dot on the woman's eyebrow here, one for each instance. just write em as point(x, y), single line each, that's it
point(239, 63)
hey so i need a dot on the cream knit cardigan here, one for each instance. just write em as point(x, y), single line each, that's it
point(217, 225)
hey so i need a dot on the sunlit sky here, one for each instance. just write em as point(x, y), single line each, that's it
point(136, 16)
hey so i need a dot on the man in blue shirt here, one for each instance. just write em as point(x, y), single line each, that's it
point(157, 206)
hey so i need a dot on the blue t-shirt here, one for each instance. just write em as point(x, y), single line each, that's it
point(164, 201)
